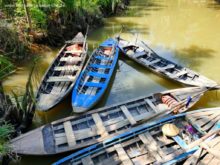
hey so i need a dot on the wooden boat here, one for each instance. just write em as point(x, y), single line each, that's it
point(75, 132)
point(95, 77)
point(208, 152)
point(164, 141)
point(60, 78)
point(142, 54)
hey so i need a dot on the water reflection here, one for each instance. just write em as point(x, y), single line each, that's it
point(186, 32)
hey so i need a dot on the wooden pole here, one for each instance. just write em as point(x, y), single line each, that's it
point(27, 14)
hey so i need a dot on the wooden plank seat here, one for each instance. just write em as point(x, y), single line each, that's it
point(149, 102)
point(61, 78)
point(66, 68)
point(181, 73)
point(71, 140)
point(128, 115)
point(73, 51)
point(71, 59)
point(92, 84)
point(103, 58)
point(95, 74)
point(99, 124)
point(101, 66)
point(122, 155)
point(169, 66)
point(146, 62)
point(139, 54)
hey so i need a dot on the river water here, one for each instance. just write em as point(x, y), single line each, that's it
point(184, 31)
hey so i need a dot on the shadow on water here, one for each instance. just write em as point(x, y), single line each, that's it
point(185, 56)
point(142, 8)
point(214, 5)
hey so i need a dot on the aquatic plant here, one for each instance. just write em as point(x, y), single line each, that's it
point(6, 130)
point(6, 67)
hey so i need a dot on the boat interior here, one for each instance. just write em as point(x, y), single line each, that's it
point(64, 70)
point(151, 146)
point(95, 75)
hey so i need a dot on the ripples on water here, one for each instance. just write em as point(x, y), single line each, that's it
point(184, 31)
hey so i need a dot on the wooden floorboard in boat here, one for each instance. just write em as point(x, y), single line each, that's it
point(128, 115)
point(71, 140)
point(122, 155)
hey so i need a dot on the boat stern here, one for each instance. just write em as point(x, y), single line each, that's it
point(31, 143)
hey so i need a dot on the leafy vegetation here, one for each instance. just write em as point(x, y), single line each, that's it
point(6, 67)
point(5, 132)
point(53, 21)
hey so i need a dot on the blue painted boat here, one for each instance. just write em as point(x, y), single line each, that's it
point(95, 77)
point(164, 141)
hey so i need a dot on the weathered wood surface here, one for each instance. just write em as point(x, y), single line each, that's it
point(205, 156)
point(147, 146)
point(60, 77)
point(141, 53)
point(106, 122)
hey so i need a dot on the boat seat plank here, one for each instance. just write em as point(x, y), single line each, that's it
point(152, 150)
point(149, 102)
point(71, 59)
point(169, 66)
point(139, 54)
point(128, 115)
point(154, 144)
point(73, 51)
point(87, 161)
point(146, 62)
point(95, 74)
point(66, 68)
point(69, 133)
point(92, 84)
point(101, 66)
point(99, 124)
point(61, 78)
point(103, 58)
point(182, 72)
point(122, 155)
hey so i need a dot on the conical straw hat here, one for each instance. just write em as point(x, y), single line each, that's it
point(170, 130)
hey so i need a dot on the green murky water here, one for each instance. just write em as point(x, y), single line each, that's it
point(184, 31)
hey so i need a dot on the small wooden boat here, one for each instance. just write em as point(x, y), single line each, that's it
point(164, 141)
point(208, 152)
point(145, 56)
point(95, 77)
point(75, 132)
point(60, 78)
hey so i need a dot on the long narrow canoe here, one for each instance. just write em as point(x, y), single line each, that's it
point(208, 153)
point(75, 132)
point(145, 56)
point(60, 78)
point(162, 141)
point(95, 77)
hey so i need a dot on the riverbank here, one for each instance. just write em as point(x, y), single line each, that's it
point(22, 38)
point(26, 31)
